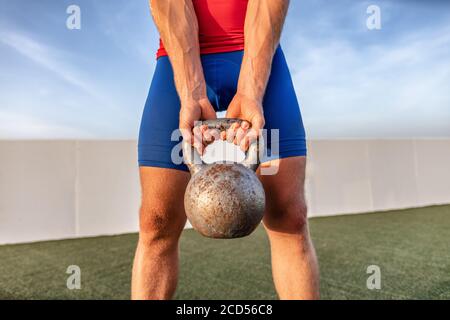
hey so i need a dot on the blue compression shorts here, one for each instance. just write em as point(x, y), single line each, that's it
point(221, 70)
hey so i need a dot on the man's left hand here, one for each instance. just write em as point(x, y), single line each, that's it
point(250, 110)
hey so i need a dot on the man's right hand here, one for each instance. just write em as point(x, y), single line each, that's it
point(193, 110)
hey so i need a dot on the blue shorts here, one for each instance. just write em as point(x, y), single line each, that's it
point(221, 70)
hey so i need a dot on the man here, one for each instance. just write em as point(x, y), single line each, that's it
point(218, 55)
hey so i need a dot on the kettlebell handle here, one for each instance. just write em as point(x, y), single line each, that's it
point(193, 160)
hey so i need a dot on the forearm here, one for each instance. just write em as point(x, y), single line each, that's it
point(178, 28)
point(263, 24)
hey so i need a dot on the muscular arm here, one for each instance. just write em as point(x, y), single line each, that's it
point(178, 27)
point(263, 24)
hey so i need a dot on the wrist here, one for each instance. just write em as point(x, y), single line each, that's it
point(251, 92)
point(191, 103)
point(253, 79)
point(191, 90)
point(189, 79)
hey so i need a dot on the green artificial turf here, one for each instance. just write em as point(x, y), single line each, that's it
point(411, 247)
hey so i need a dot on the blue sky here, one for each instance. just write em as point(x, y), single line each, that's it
point(352, 82)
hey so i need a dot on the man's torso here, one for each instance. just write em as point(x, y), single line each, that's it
point(221, 25)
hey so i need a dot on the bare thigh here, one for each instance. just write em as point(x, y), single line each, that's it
point(162, 209)
point(285, 199)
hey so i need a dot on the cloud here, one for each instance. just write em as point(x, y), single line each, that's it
point(381, 89)
point(140, 39)
point(25, 126)
point(351, 82)
point(61, 98)
point(46, 57)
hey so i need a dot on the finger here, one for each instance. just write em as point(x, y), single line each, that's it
point(186, 131)
point(242, 131)
point(231, 132)
point(204, 133)
point(215, 134)
point(203, 128)
point(245, 143)
point(208, 136)
point(199, 147)
point(240, 134)
point(186, 134)
point(223, 135)
point(245, 125)
point(258, 124)
point(252, 135)
point(198, 140)
point(198, 134)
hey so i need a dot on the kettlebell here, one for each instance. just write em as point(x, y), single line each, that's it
point(223, 200)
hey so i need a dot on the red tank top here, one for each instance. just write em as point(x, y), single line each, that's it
point(221, 25)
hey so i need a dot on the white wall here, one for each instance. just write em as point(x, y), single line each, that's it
point(62, 189)
point(352, 176)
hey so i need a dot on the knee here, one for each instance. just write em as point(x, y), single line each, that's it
point(162, 225)
point(288, 217)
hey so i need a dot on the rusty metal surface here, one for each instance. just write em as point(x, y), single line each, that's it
point(224, 201)
point(221, 124)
